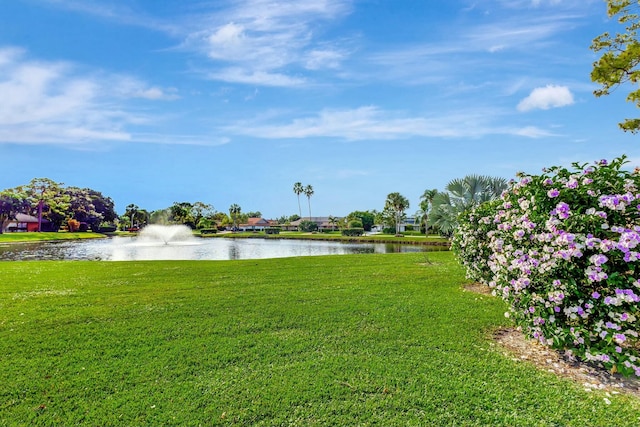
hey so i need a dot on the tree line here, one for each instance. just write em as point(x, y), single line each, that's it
point(56, 205)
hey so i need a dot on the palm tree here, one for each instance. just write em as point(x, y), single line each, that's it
point(444, 214)
point(333, 221)
point(308, 191)
point(461, 195)
point(234, 211)
point(426, 204)
point(397, 203)
point(298, 189)
point(475, 189)
point(131, 211)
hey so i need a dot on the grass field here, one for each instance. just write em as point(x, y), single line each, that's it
point(46, 236)
point(389, 340)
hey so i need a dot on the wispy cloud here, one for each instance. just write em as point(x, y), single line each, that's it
point(532, 132)
point(517, 34)
point(47, 102)
point(268, 42)
point(372, 123)
point(475, 50)
point(544, 98)
point(116, 12)
point(123, 86)
point(256, 77)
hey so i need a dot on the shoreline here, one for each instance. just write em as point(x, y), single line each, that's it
point(408, 240)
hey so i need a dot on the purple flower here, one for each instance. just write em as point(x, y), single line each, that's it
point(619, 338)
point(595, 295)
point(556, 309)
point(562, 210)
point(553, 193)
point(598, 259)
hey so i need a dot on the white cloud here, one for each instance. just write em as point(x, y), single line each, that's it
point(547, 97)
point(47, 102)
point(129, 87)
point(262, 40)
point(517, 34)
point(325, 58)
point(157, 93)
point(372, 123)
point(532, 132)
point(120, 13)
point(256, 77)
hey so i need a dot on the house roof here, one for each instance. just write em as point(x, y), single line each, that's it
point(29, 219)
point(256, 222)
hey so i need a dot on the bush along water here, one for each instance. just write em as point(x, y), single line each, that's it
point(562, 249)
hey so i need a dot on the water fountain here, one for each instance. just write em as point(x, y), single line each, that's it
point(166, 235)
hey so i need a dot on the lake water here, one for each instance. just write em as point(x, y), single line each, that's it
point(133, 249)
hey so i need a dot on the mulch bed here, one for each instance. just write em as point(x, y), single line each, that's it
point(514, 344)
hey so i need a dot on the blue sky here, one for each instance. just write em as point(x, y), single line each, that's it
point(156, 101)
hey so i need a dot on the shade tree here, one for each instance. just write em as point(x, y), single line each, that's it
point(182, 213)
point(367, 218)
point(90, 207)
point(11, 203)
point(47, 200)
point(619, 63)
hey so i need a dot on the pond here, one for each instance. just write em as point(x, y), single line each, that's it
point(136, 249)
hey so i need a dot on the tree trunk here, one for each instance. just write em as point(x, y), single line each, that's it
point(40, 215)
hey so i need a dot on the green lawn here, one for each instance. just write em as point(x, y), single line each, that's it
point(45, 236)
point(388, 340)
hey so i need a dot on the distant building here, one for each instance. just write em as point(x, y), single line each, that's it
point(254, 224)
point(408, 223)
point(322, 222)
point(24, 222)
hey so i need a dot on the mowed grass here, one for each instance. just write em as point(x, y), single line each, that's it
point(47, 236)
point(389, 340)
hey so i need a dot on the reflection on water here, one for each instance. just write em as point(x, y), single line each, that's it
point(132, 249)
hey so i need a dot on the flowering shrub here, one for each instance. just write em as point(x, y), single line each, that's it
point(562, 249)
point(470, 240)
